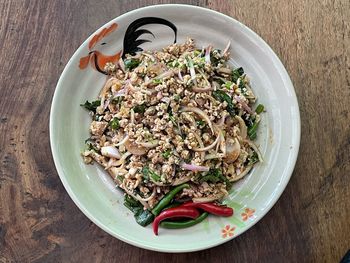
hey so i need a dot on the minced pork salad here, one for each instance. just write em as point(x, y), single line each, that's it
point(174, 129)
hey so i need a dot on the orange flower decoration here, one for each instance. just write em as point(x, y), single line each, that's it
point(227, 231)
point(248, 213)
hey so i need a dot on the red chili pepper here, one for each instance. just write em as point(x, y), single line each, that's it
point(211, 208)
point(180, 211)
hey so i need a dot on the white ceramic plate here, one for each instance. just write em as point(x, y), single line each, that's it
point(279, 133)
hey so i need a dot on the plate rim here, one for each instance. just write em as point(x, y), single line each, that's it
point(294, 154)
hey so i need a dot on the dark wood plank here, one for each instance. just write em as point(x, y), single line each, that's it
point(40, 223)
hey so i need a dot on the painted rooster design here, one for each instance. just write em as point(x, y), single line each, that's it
point(131, 43)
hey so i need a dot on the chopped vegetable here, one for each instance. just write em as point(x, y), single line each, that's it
point(214, 175)
point(252, 130)
point(168, 198)
point(174, 212)
point(131, 63)
point(91, 106)
point(140, 108)
point(166, 154)
point(149, 174)
point(114, 123)
point(254, 158)
point(184, 224)
point(222, 96)
point(157, 81)
point(212, 208)
point(142, 217)
point(259, 109)
point(236, 74)
point(228, 84)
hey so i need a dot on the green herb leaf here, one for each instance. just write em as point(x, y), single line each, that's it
point(214, 175)
point(228, 84)
point(157, 81)
point(200, 123)
point(252, 130)
point(140, 108)
point(143, 217)
point(131, 63)
point(117, 100)
point(166, 154)
point(253, 158)
point(222, 96)
point(114, 123)
point(236, 74)
point(149, 174)
point(91, 106)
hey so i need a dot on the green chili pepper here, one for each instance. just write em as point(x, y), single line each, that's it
point(259, 109)
point(176, 204)
point(184, 224)
point(168, 198)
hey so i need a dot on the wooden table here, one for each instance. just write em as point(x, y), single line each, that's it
point(40, 223)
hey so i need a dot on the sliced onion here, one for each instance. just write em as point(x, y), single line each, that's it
point(135, 149)
point(233, 149)
point(209, 146)
point(242, 174)
point(242, 127)
point(137, 197)
point(123, 140)
point(151, 144)
point(244, 105)
point(181, 180)
point(180, 75)
point(205, 89)
point(213, 156)
point(207, 54)
point(222, 120)
point(224, 71)
point(120, 93)
point(194, 168)
point(165, 99)
point(122, 159)
point(165, 74)
point(192, 71)
point(226, 48)
point(201, 144)
point(159, 95)
point(110, 151)
point(256, 149)
point(201, 114)
point(132, 116)
point(109, 83)
point(121, 64)
point(114, 172)
point(222, 143)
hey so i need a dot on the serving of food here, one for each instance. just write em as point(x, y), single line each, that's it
point(174, 129)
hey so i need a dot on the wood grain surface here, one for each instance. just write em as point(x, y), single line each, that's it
point(40, 223)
